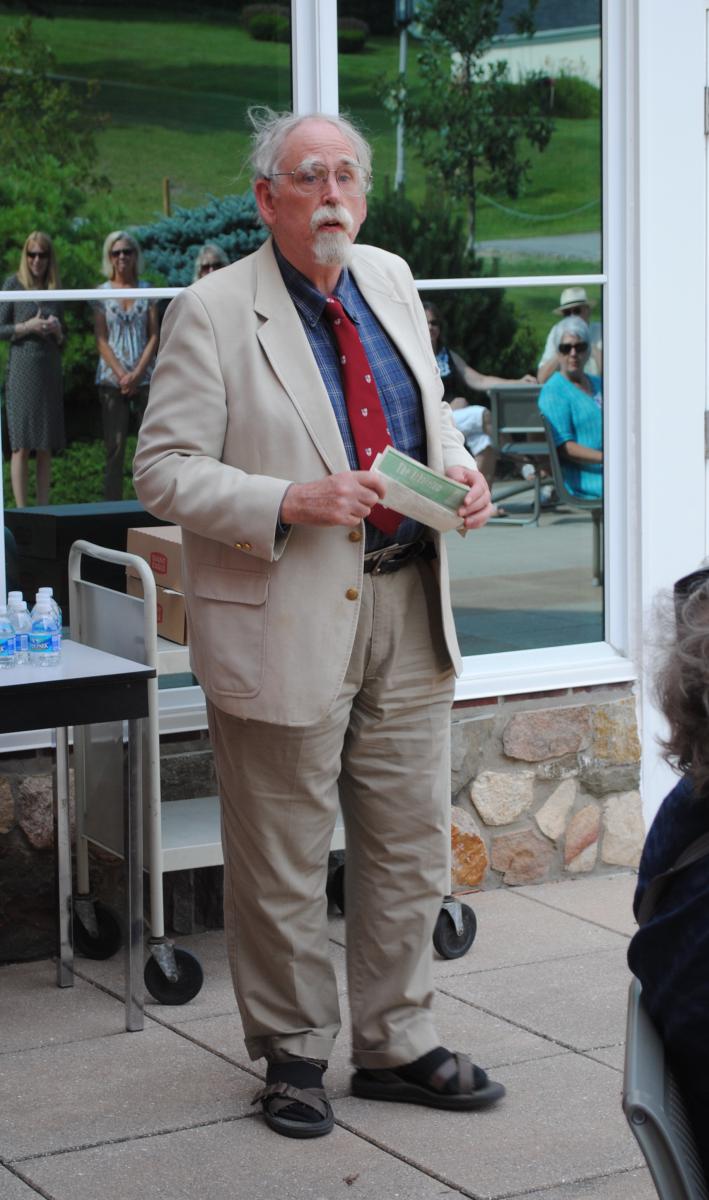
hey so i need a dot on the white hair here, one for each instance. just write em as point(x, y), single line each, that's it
point(271, 129)
point(576, 326)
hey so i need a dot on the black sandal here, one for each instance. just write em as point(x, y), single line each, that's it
point(473, 1088)
point(278, 1098)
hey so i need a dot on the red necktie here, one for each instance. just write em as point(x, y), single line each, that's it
point(364, 408)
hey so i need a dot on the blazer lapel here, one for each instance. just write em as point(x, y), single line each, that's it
point(287, 348)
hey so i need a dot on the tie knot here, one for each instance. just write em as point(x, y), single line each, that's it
point(333, 310)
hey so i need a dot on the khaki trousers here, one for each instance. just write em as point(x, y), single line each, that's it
point(383, 752)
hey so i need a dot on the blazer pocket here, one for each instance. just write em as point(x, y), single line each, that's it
point(229, 621)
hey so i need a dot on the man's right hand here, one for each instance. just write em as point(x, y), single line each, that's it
point(342, 499)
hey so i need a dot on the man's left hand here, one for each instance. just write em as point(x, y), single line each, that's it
point(477, 507)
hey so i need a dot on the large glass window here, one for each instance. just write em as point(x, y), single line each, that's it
point(128, 119)
point(487, 141)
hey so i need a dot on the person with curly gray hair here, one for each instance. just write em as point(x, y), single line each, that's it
point(210, 257)
point(669, 954)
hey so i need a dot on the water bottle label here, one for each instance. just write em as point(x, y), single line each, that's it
point(43, 643)
point(7, 645)
point(21, 643)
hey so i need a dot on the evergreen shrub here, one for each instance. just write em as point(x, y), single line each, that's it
point(170, 245)
point(352, 35)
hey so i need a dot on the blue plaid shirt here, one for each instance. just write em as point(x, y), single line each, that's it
point(398, 390)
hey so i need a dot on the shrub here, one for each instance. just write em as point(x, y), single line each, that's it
point(171, 244)
point(267, 22)
point(575, 98)
point(352, 35)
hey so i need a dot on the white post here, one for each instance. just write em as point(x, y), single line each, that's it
point(314, 50)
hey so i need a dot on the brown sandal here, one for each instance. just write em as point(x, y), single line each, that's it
point(278, 1098)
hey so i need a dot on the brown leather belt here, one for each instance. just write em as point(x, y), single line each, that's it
point(393, 558)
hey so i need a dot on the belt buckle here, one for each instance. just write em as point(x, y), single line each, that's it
point(382, 556)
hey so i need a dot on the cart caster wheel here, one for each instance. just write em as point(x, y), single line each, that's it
point(189, 979)
point(447, 941)
point(107, 939)
point(335, 887)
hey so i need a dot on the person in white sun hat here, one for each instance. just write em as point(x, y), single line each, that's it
point(573, 303)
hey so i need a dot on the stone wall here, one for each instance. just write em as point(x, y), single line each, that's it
point(545, 787)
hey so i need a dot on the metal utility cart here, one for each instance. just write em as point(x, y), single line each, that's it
point(180, 834)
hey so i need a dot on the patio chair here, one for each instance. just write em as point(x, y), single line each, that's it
point(655, 1111)
point(513, 409)
point(564, 496)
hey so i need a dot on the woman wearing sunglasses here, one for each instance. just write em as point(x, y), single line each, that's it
point(33, 385)
point(127, 341)
point(572, 402)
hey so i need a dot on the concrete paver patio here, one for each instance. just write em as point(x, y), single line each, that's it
point(90, 1112)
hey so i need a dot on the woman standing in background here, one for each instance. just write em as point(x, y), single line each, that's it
point(33, 384)
point(127, 341)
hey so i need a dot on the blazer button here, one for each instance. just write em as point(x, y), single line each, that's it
point(246, 546)
point(351, 594)
point(238, 546)
point(355, 535)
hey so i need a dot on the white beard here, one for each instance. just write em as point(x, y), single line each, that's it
point(332, 247)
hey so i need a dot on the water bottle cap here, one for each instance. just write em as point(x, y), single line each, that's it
point(14, 596)
point(45, 591)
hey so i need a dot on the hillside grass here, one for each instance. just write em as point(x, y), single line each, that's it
point(176, 90)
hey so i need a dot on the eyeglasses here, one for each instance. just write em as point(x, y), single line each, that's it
point(209, 266)
point(122, 253)
point(567, 347)
point(577, 311)
point(309, 178)
point(37, 254)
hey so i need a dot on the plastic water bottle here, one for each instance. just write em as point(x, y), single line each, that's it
point(47, 593)
point(22, 624)
point(7, 640)
point(44, 635)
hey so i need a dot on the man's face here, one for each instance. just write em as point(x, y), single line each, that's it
point(577, 310)
point(308, 228)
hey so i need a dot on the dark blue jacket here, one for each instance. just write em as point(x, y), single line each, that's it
point(670, 954)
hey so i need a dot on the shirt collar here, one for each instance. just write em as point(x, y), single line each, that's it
point(306, 297)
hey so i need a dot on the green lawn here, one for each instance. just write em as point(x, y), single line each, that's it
point(176, 90)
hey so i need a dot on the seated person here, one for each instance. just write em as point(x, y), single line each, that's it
point(669, 954)
point(572, 402)
point(473, 420)
point(574, 303)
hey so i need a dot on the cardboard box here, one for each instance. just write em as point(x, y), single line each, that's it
point(161, 547)
point(172, 623)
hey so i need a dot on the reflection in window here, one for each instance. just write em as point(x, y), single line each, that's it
point(148, 139)
point(527, 579)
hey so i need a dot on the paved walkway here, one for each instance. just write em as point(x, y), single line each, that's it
point(89, 1112)
point(584, 246)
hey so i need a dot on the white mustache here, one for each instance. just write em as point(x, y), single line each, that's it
point(331, 212)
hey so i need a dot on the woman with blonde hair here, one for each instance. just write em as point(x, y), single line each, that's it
point(127, 340)
point(33, 384)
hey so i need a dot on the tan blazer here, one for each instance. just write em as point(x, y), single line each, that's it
point(237, 410)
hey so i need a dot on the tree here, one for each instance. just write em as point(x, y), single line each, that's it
point(40, 115)
point(467, 117)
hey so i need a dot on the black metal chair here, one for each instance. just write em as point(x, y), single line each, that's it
point(655, 1111)
point(514, 412)
point(564, 496)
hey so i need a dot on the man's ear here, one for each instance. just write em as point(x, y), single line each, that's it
point(264, 200)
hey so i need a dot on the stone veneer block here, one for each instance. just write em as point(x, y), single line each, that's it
point(523, 857)
point(35, 810)
point(585, 861)
point(501, 797)
point(468, 740)
point(468, 853)
point(554, 813)
point(583, 830)
point(624, 830)
point(7, 806)
point(615, 732)
point(549, 733)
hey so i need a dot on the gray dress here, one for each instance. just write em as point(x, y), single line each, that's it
point(33, 383)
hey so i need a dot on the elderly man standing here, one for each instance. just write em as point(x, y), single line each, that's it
point(319, 620)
